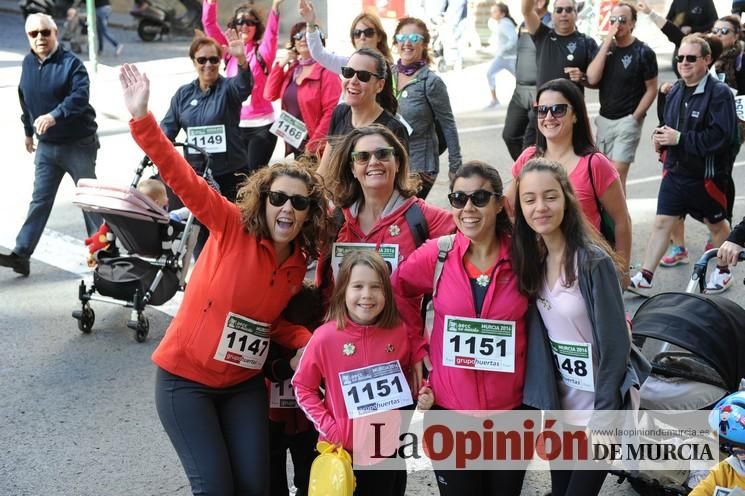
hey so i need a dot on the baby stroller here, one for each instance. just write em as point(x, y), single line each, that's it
point(158, 250)
point(696, 344)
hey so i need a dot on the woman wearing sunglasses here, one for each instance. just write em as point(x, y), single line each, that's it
point(425, 104)
point(210, 392)
point(571, 274)
point(363, 82)
point(565, 136)
point(309, 92)
point(260, 48)
point(476, 285)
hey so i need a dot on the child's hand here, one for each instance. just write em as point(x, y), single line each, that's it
point(295, 361)
point(426, 398)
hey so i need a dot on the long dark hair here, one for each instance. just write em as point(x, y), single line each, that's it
point(582, 140)
point(505, 11)
point(386, 98)
point(248, 9)
point(488, 173)
point(528, 248)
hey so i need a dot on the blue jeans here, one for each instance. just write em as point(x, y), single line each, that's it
point(52, 161)
point(102, 27)
point(220, 435)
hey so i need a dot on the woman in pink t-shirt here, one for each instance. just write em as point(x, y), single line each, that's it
point(564, 135)
point(571, 274)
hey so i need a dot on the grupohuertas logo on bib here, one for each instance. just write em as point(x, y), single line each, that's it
point(647, 440)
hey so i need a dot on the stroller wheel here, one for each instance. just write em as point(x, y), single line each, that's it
point(143, 328)
point(86, 318)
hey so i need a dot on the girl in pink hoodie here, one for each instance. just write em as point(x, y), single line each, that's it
point(360, 356)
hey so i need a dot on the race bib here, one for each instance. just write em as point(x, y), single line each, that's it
point(244, 342)
point(740, 107)
point(283, 395)
point(374, 389)
point(479, 344)
point(209, 138)
point(723, 491)
point(389, 252)
point(290, 129)
point(574, 362)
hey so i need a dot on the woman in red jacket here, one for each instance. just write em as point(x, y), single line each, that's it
point(209, 391)
point(309, 93)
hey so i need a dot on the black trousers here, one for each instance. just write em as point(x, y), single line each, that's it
point(302, 448)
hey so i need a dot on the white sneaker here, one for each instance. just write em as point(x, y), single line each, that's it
point(719, 282)
point(638, 282)
point(119, 49)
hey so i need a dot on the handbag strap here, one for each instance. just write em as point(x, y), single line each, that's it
point(592, 183)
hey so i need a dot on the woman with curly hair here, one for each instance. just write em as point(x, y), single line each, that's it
point(209, 388)
point(260, 43)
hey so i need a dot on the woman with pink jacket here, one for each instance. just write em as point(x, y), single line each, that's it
point(475, 288)
point(257, 114)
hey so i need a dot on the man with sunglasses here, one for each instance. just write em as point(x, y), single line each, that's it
point(561, 51)
point(695, 141)
point(54, 96)
point(625, 69)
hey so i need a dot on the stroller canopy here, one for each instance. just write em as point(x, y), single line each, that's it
point(711, 327)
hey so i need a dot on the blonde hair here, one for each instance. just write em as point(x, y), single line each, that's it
point(155, 190)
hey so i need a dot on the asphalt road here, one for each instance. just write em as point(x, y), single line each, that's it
point(77, 415)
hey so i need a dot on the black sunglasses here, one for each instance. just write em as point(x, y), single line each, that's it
point(364, 76)
point(36, 32)
point(299, 35)
point(246, 21)
point(721, 31)
point(298, 202)
point(368, 32)
point(687, 58)
point(559, 10)
point(479, 198)
point(558, 110)
point(617, 19)
point(214, 60)
point(363, 157)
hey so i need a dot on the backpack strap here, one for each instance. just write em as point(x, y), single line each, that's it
point(417, 224)
point(444, 245)
point(260, 60)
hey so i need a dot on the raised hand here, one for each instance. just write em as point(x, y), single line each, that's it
point(643, 6)
point(306, 11)
point(276, 4)
point(136, 90)
point(236, 49)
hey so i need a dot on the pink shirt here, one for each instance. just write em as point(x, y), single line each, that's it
point(564, 314)
point(603, 172)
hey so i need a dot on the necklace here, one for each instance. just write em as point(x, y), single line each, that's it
point(482, 277)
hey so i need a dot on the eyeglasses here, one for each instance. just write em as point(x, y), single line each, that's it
point(721, 31)
point(382, 154)
point(411, 38)
point(368, 32)
point(298, 202)
point(687, 58)
point(479, 198)
point(558, 110)
point(299, 36)
point(363, 76)
point(246, 21)
point(43, 32)
point(559, 10)
point(214, 60)
point(617, 19)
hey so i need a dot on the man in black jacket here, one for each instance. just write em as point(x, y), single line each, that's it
point(54, 92)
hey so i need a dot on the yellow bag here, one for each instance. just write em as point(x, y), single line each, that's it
point(331, 473)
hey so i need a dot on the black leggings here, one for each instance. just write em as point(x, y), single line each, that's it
point(302, 448)
point(473, 482)
point(220, 435)
point(259, 143)
point(577, 482)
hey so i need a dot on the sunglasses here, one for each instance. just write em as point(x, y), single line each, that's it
point(411, 38)
point(558, 110)
point(559, 10)
point(381, 154)
point(617, 19)
point(363, 76)
point(721, 31)
point(214, 60)
point(298, 202)
point(479, 198)
point(299, 36)
point(246, 21)
point(43, 32)
point(368, 32)
point(687, 58)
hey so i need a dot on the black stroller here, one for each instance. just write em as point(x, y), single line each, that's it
point(696, 344)
point(159, 251)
